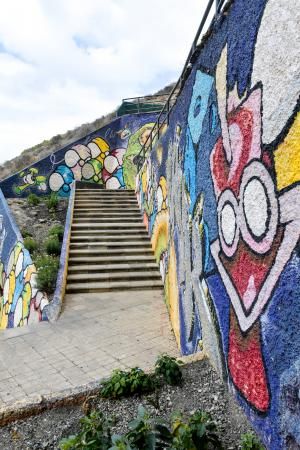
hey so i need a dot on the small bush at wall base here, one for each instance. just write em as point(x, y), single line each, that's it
point(57, 230)
point(124, 383)
point(52, 201)
point(30, 244)
point(198, 432)
point(168, 367)
point(25, 233)
point(53, 246)
point(250, 442)
point(94, 434)
point(33, 200)
point(47, 268)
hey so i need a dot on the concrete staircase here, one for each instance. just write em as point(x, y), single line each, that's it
point(109, 249)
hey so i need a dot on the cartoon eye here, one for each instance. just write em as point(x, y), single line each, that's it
point(228, 222)
point(258, 207)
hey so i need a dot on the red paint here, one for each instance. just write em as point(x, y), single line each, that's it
point(246, 365)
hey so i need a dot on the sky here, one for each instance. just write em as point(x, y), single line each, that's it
point(68, 62)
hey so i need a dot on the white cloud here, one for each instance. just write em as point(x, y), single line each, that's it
point(66, 62)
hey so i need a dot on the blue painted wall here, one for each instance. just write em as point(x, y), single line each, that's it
point(220, 195)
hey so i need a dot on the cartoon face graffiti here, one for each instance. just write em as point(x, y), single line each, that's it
point(31, 178)
point(257, 234)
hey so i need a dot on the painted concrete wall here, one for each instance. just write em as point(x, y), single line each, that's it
point(104, 157)
point(221, 198)
point(21, 302)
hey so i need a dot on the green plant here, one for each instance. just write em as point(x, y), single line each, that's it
point(25, 233)
point(30, 244)
point(57, 230)
point(250, 442)
point(47, 268)
point(95, 434)
point(168, 367)
point(52, 201)
point(123, 383)
point(33, 200)
point(53, 246)
point(199, 432)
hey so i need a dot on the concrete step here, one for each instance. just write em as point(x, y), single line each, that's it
point(102, 194)
point(104, 251)
point(110, 244)
point(117, 267)
point(108, 238)
point(114, 286)
point(117, 209)
point(111, 259)
point(108, 225)
point(102, 233)
point(120, 213)
point(109, 201)
point(114, 276)
point(107, 191)
point(100, 219)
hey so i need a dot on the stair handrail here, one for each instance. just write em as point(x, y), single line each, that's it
point(163, 116)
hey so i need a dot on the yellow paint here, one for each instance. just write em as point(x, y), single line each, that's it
point(287, 157)
point(30, 270)
point(26, 297)
point(159, 238)
point(102, 144)
point(171, 287)
point(12, 286)
point(3, 319)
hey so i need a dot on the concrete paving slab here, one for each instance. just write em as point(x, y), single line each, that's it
point(95, 334)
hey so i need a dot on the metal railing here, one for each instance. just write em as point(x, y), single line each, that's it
point(163, 117)
point(148, 103)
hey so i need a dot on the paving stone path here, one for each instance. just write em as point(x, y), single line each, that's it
point(95, 334)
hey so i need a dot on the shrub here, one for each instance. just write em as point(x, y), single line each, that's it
point(30, 244)
point(168, 367)
point(57, 230)
point(25, 233)
point(146, 433)
point(250, 442)
point(94, 434)
point(52, 201)
point(53, 246)
point(124, 383)
point(47, 268)
point(33, 200)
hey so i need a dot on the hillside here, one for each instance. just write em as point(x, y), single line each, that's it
point(31, 155)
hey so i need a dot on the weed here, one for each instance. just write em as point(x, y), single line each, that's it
point(124, 383)
point(57, 230)
point(33, 200)
point(168, 367)
point(250, 442)
point(94, 434)
point(25, 233)
point(52, 201)
point(53, 246)
point(47, 268)
point(30, 244)
point(199, 432)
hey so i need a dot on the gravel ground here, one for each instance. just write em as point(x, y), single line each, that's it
point(202, 389)
point(37, 219)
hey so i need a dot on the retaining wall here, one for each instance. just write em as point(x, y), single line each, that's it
point(105, 157)
point(220, 194)
point(20, 301)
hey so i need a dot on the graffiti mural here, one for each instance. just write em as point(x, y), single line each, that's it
point(220, 194)
point(106, 157)
point(21, 302)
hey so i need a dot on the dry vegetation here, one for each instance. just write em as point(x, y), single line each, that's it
point(31, 155)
